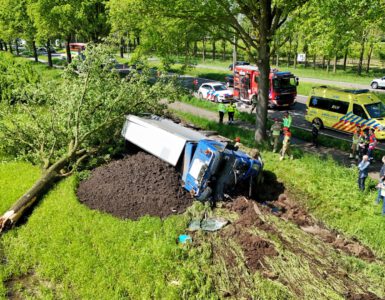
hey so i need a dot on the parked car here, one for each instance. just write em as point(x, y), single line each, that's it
point(378, 83)
point(229, 80)
point(215, 91)
point(43, 50)
point(239, 63)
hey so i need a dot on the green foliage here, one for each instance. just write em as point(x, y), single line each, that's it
point(14, 77)
point(85, 113)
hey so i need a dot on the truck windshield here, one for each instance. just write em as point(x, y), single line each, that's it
point(284, 83)
point(220, 87)
point(376, 110)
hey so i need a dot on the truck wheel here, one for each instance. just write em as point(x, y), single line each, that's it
point(374, 85)
point(319, 122)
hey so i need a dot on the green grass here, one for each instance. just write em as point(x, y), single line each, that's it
point(69, 251)
point(332, 191)
point(15, 179)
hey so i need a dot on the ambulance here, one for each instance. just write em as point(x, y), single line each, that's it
point(345, 109)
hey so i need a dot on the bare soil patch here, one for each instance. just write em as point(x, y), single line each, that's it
point(137, 185)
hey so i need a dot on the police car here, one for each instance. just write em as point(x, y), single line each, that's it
point(215, 91)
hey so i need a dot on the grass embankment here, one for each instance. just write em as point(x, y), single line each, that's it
point(67, 251)
point(331, 190)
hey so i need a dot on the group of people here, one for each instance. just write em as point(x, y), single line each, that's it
point(230, 109)
point(275, 131)
point(363, 143)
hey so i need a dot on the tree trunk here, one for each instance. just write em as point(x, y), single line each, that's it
point(138, 40)
point(323, 62)
point(17, 47)
point(359, 68)
point(1, 45)
point(214, 50)
point(335, 63)
point(5, 46)
point(10, 217)
point(369, 58)
point(195, 49)
point(277, 60)
point(223, 50)
point(10, 47)
point(314, 61)
point(68, 49)
point(306, 64)
point(328, 65)
point(345, 58)
point(289, 53)
point(264, 69)
point(121, 47)
point(49, 54)
point(204, 49)
point(35, 56)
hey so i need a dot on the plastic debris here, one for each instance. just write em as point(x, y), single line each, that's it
point(184, 238)
point(209, 224)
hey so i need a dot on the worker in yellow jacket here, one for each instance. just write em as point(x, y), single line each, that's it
point(231, 109)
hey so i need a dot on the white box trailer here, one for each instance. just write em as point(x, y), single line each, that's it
point(160, 137)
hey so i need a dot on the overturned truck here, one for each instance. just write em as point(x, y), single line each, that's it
point(209, 167)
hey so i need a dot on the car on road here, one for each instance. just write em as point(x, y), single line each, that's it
point(378, 83)
point(43, 50)
point(215, 91)
point(239, 63)
point(229, 80)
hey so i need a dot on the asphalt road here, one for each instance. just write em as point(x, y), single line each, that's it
point(297, 112)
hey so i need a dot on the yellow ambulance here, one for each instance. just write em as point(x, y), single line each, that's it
point(345, 109)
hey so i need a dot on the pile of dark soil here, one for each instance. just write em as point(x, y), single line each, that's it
point(137, 185)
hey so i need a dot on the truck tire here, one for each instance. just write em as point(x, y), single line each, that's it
point(320, 122)
point(374, 85)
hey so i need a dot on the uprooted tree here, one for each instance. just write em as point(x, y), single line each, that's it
point(62, 124)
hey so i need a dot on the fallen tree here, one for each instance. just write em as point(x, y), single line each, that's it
point(63, 124)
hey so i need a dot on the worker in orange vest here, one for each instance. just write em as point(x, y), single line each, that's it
point(286, 144)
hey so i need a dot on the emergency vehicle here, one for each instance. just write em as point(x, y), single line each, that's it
point(344, 110)
point(282, 90)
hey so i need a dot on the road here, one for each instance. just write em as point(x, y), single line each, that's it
point(311, 80)
point(297, 112)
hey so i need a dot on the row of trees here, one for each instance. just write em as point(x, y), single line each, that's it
point(41, 21)
point(320, 29)
point(261, 29)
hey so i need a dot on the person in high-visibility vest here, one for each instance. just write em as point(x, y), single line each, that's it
point(287, 119)
point(221, 111)
point(275, 134)
point(231, 108)
point(286, 144)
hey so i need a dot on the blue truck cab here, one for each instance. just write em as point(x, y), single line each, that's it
point(212, 168)
point(209, 168)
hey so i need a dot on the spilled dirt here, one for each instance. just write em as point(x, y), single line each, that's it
point(137, 185)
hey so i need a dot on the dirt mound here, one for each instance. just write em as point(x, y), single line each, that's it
point(134, 186)
point(369, 296)
point(253, 247)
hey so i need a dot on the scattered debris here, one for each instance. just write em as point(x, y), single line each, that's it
point(208, 224)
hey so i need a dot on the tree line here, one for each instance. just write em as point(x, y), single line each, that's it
point(259, 29)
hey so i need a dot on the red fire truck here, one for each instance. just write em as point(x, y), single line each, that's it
point(282, 91)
